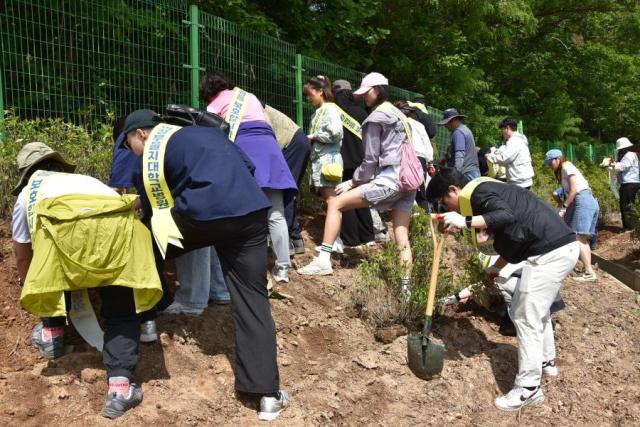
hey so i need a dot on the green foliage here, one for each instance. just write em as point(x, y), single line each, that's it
point(378, 289)
point(90, 152)
point(635, 218)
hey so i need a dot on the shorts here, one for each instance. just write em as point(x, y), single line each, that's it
point(316, 179)
point(383, 198)
point(582, 214)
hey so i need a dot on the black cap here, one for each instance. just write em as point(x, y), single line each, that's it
point(509, 122)
point(140, 119)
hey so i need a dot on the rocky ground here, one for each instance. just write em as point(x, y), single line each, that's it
point(335, 370)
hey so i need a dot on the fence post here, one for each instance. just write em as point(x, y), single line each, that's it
point(591, 155)
point(298, 101)
point(520, 127)
point(194, 53)
point(2, 139)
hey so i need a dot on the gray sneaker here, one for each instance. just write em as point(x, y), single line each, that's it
point(270, 407)
point(117, 404)
point(280, 273)
point(148, 331)
point(49, 349)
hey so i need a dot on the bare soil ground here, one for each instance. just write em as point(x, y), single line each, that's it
point(335, 370)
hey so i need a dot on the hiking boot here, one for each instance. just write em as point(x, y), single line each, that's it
point(281, 273)
point(217, 301)
point(148, 331)
point(586, 277)
point(549, 368)
point(49, 341)
point(118, 403)
point(316, 268)
point(178, 308)
point(338, 247)
point(519, 397)
point(296, 247)
point(270, 407)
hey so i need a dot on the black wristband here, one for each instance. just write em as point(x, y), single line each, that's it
point(467, 221)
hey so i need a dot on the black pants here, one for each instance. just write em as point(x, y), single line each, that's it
point(628, 194)
point(241, 244)
point(297, 157)
point(357, 225)
point(121, 330)
point(421, 198)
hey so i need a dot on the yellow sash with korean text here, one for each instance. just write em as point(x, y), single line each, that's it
point(236, 111)
point(350, 124)
point(163, 227)
point(466, 209)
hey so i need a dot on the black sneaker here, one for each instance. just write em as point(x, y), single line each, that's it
point(49, 349)
point(117, 404)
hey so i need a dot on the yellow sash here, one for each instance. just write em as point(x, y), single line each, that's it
point(163, 227)
point(351, 124)
point(390, 108)
point(466, 209)
point(236, 111)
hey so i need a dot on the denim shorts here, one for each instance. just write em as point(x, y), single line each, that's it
point(383, 198)
point(582, 214)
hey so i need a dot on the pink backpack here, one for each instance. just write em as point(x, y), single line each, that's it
point(411, 172)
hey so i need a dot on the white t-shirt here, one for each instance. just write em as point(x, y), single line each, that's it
point(569, 169)
point(420, 138)
point(59, 184)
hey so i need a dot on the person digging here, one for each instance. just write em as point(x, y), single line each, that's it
point(524, 228)
point(71, 232)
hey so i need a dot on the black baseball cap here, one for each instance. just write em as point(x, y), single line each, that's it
point(140, 119)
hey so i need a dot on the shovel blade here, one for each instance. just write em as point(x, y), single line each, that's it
point(424, 356)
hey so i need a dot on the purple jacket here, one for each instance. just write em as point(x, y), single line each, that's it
point(382, 135)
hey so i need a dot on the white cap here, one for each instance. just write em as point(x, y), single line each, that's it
point(369, 81)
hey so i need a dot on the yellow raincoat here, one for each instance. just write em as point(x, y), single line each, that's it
point(83, 241)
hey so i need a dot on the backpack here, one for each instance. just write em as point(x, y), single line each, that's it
point(184, 115)
point(411, 175)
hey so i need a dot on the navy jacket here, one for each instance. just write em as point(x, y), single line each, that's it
point(209, 177)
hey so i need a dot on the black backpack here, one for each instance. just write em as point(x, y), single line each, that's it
point(184, 115)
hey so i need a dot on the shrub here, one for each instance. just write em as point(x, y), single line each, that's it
point(377, 290)
point(91, 152)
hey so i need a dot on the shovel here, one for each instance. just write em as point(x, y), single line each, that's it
point(426, 355)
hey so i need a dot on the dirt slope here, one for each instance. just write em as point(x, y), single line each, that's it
point(335, 370)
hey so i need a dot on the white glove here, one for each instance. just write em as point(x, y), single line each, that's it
point(343, 187)
point(454, 219)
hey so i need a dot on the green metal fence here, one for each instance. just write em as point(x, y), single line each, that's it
point(90, 60)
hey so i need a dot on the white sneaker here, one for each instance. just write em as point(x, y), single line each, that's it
point(338, 247)
point(519, 397)
point(316, 268)
point(270, 407)
point(549, 368)
point(280, 273)
point(179, 308)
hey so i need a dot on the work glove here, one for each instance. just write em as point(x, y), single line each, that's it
point(343, 187)
point(461, 297)
point(453, 219)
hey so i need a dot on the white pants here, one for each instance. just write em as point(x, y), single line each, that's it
point(278, 226)
point(532, 297)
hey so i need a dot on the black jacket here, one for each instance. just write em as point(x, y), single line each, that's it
point(522, 225)
point(426, 121)
point(352, 148)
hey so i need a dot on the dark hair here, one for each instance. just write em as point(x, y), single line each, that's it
point(509, 122)
point(322, 84)
point(382, 92)
point(118, 127)
point(212, 84)
point(558, 172)
point(406, 109)
point(439, 184)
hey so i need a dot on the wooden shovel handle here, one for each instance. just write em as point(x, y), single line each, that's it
point(435, 267)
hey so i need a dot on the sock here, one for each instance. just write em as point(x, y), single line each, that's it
point(119, 385)
point(51, 332)
point(325, 253)
point(405, 283)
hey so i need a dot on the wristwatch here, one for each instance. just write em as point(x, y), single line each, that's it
point(467, 221)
